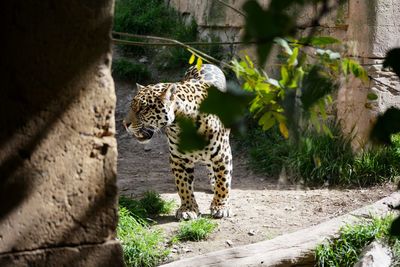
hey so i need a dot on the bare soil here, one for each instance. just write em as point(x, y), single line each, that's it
point(263, 207)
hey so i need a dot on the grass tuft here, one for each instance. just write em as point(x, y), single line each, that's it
point(345, 250)
point(141, 245)
point(154, 205)
point(150, 205)
point(196, 230)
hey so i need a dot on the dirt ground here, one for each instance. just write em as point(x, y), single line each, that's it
point(263, 207)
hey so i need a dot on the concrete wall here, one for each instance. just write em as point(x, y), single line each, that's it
point(369, 28)
point(373, 29)
point(57, 146)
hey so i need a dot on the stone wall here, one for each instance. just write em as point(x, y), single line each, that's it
point(373, 29)
point(368, 27)
point(57, 147)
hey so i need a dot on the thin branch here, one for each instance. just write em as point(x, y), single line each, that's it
point(192, 49)
point(126, 42)
point(232, 7)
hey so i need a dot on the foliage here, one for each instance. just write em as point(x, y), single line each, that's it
point(190, 139)
point(345, 250)
point(141, 245)
point(148, 17)
point(319, 159)
point(303, 89)
point(235, 104)
point(129, 71)
point(196, 230)
point(151, 204)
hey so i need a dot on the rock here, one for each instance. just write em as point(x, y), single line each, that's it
point(186, 250)
point(143, 60)
point(229, 242)
point(251, 232)
point(375, 255)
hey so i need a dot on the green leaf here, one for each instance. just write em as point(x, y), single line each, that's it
point(284, 76)
point(353, 67)
point(327, 130)
point(255, 104)
point(280, 117)
point(232, 109)
point(189, 138)
point(319, 40)
point(199, 63)
point(316, 85)
point(314, 119)
point(274, 82)
point(292, 61)
point(284, 44)
point(267, 121)
point(321, 106)
point(284, 130)
point(372, 96)
point(192, 58)
point(328, 53)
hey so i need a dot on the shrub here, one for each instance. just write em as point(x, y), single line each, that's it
point(129, 71)
point(317, 158)
point(196, 230)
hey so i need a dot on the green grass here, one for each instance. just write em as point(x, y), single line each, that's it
point(142, 246)
point(196, 230)
point(154, 205)
point(345, 250)
point(318, 159)
point(150, 205)
point(130, 71)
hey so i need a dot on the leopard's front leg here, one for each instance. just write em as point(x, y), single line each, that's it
point(183, 170)
point(222, 167)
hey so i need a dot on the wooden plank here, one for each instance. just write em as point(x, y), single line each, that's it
point(294, 249)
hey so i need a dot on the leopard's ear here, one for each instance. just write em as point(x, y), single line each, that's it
point(139, 87)
point(169, 92)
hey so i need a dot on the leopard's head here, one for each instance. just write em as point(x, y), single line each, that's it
point(151, 109)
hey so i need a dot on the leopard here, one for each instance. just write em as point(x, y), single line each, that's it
point(156, 107)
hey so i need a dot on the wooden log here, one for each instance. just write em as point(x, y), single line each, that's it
point(294, 249)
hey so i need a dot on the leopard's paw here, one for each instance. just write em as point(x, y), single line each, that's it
point(184, 213)
point(221, 211)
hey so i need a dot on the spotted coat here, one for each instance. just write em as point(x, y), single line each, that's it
point(156, 106)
